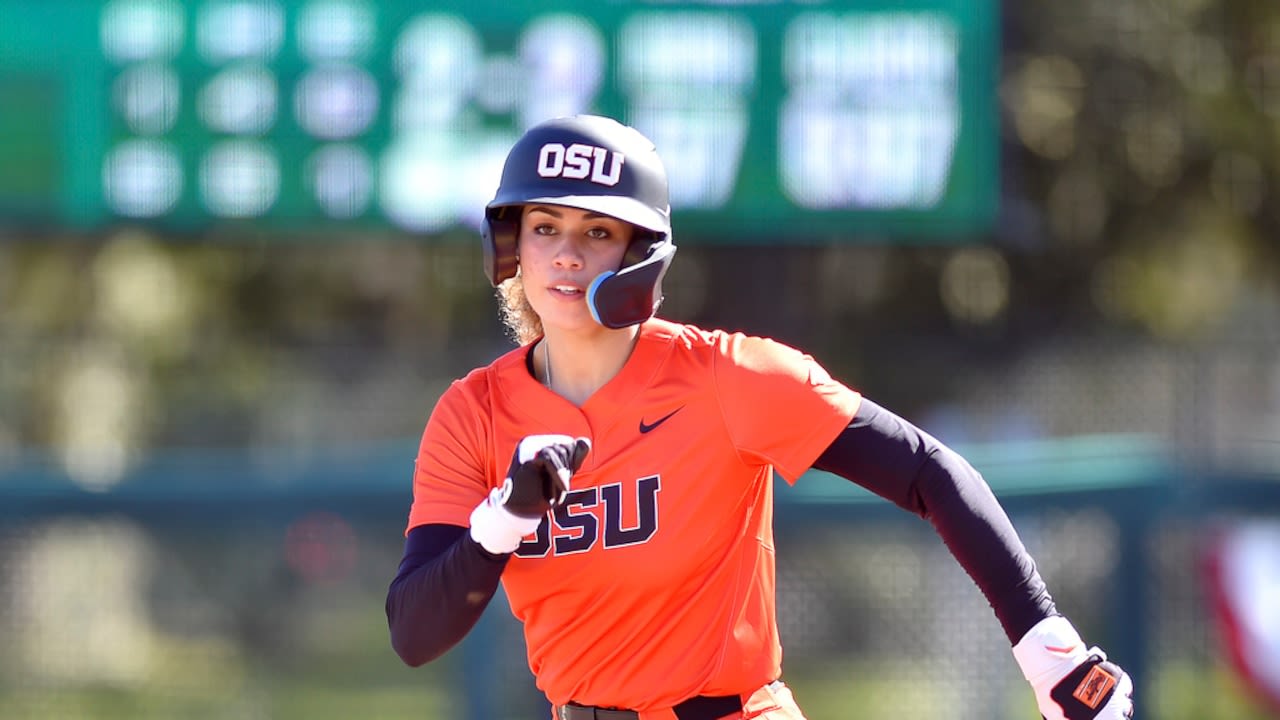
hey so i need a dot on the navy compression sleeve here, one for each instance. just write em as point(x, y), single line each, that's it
point(901, 463)
point(444, 584)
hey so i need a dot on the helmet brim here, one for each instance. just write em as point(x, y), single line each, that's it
point(622, 208)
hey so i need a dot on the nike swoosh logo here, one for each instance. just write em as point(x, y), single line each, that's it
point(644, 428)
point(1062, 650)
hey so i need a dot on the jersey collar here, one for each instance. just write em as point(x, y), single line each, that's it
point(542, 408)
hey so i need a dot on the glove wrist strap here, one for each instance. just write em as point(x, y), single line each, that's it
point(496, 528)
point(1048, 650)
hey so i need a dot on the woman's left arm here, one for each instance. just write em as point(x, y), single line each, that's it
point(898, 461)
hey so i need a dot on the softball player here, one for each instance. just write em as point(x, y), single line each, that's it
point(615, 471)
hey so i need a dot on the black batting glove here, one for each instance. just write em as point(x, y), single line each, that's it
point(537, 481)
point(540, 473)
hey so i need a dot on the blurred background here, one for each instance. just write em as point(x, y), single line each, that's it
point(238, 265)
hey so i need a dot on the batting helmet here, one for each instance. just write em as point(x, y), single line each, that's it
point(597, 164)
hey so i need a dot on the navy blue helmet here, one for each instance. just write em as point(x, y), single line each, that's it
point(597, 164)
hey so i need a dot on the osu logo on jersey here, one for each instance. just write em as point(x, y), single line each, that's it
point(580, 162)
point(574, 526)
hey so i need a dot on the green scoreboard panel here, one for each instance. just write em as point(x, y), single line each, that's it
point(778, 121)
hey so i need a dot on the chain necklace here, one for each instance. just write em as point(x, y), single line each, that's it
point(546, 363)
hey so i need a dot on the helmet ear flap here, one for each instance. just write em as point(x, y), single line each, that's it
point(633, 294)
point(498, 238)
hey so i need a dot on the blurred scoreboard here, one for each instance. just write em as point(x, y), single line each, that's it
point(871, 118)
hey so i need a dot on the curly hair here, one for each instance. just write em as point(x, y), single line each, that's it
point(523, 324)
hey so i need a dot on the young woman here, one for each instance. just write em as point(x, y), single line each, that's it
point(615, 471)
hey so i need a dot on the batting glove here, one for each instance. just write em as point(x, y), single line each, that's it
point(537, 481)
point(1070, 682)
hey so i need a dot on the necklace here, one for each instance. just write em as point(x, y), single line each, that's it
point(546, 363)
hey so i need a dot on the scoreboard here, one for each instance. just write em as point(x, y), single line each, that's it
point(778, 121)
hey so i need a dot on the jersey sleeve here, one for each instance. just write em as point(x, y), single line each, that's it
point(451, 470)
point(781, 407)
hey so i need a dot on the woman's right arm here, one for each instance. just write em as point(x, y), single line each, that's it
point(445, 581)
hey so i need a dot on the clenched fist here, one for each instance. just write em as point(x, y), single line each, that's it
point(542, 468)
point(1070, 681)
point(540, 471)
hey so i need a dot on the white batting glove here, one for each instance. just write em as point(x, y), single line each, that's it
point(1070, 682)
point(538, 480)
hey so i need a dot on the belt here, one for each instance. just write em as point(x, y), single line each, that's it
point(702, 707)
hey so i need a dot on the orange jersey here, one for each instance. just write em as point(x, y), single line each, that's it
point(654, 581)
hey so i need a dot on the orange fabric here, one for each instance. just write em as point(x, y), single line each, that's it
point(655, 582)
